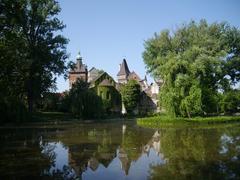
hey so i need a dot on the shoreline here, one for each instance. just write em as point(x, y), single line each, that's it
point(164, 121)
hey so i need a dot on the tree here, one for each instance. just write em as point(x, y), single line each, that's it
point(84, 102)
point(51, 102)
point(130, 95)
point(232, 63)
point(194, 63)
point(230, 102)
point(32, 51)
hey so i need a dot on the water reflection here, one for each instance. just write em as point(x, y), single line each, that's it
point(121, 151)
point(118, 164)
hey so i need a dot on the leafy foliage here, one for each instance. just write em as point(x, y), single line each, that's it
point(130, 95)
point(12, 110)
point(111, 99)
point(194, 62)
point(31, 49)
point(230, 102)
point(84, 102)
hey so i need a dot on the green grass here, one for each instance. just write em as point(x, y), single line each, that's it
point(64, 117)
point(215, 119)
point(164, 121)
point(52, 116)
point(44, 119)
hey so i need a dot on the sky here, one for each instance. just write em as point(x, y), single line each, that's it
point(106, 31)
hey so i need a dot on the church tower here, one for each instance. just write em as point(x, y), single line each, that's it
point(123, 73)
point(80, 71)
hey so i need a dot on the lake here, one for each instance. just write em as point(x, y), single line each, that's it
point(119, 150)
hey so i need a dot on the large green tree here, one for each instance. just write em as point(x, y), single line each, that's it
point(32, 51)
point(195, 62)
point(230, 102)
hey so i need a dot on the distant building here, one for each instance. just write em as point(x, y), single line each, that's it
point(149, 93)
point(124, 75)
point(105, 87)
point(99, 81)
point(80, 71)
point(93, 73)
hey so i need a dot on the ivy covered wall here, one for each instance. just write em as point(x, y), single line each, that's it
point(105, 87)
point(111, 98)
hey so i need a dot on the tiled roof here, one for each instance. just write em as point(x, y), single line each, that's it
point(79, 67)
point(134, 76)
point(105, 82)
point(124, 70)
point(93, 69)
point(96, 78)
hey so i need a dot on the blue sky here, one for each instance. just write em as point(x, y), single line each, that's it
point(106, 31)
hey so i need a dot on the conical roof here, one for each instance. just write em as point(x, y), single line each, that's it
point(124, 70)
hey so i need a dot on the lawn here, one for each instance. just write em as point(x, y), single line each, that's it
point(159, 121)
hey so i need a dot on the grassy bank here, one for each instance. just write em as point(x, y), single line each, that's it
point(66, 117)
point(57, 119)
point(52, 116)
point(61, 118)
point(159, 121)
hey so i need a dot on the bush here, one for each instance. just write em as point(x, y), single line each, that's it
point(230, 102)
point(131, 95)
point(50, 102)
point(13, 110)
point(84, 102)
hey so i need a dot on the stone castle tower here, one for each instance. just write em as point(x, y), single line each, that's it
point(123, 73)
point(80, 71)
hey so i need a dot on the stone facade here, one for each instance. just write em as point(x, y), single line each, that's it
point(108, 89)
point(99, 81)
point(123, 73)
point(80, 71)
point(105, 87)
point(93, 73)
point(149, 93)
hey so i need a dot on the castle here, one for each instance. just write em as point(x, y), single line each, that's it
point(106, 87)
point(80, 71)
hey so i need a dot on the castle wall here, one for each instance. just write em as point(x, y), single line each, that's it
point(73, 78)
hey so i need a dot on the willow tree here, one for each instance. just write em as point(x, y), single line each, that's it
point(32, 50)
point(194, 62)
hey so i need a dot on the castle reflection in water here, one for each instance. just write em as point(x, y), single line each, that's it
point(120, 150)
point(91, 161)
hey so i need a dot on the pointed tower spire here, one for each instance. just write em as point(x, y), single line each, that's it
point(124, 70)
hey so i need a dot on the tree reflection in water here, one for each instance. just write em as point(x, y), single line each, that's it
point(58, 154)
point(200, 154)
point(121, 151)
point(118, 165)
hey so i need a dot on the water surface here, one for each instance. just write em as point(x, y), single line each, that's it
point(120, 150)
